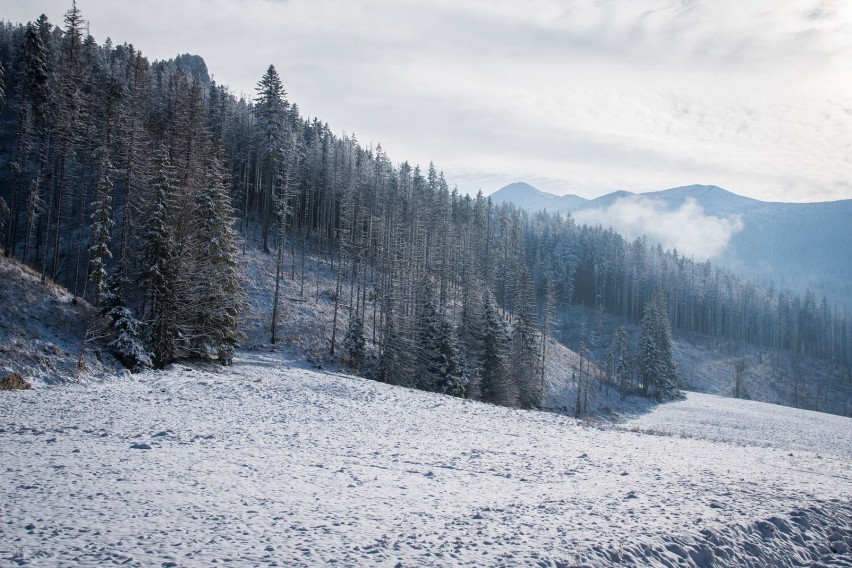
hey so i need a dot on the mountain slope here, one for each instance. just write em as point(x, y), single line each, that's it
point(269, 462)
point(42, 328)
point(797, 246)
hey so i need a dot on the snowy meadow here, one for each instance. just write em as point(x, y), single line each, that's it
point(272, 463)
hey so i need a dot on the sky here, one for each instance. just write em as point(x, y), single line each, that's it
point(571, 96)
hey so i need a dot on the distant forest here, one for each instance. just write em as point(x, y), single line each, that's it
point(135, 184)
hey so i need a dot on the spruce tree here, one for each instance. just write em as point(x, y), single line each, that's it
point(439, 368)
point(353, 342)
point(657, 369)
point(525, 346)
point(447, 365)
point(216, 293)
point(271, 112)
point(126, 331)
point(102, 224)
point(494, 384)
point(32, 100)
point(619, 362)
point(159, 272)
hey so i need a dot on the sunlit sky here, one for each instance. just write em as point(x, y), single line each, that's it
point(572, 96)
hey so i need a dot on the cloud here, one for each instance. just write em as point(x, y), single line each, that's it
point(687, 229)
point(581, 96)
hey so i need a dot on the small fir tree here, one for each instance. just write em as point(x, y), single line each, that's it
point(125, 329)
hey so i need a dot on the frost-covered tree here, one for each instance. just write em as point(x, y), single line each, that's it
point(657, 369)
point(102, 224)
point(494, 381)
point(354, 344)
point(619, 362)
point(159, 276)
point(525, 346)
point(270, 110)
point(126, 331)
point(216, 288)
point(439, 368)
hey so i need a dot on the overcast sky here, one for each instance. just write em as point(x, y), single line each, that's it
point(572, 96)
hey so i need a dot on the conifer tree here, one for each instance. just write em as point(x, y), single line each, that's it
point(159, 273)
point(656, 358)
point(33, 97)
point(102, 224)
point(126, 331)
point(447, 365)
point(217, 293)
point(494, 382)
point(438, 363)
point(619, 362)
point(354, 344)
point(271, 112)
point(525, 345)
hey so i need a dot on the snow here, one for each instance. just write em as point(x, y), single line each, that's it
point(271, 463)
point(42, 328)
point(750, 423)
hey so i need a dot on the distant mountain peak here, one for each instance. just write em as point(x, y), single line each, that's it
point(525, 196)
point(520, 188)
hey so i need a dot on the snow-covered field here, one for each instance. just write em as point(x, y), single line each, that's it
point(270, 463)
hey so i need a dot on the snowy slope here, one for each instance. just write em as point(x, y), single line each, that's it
point(268, 463)
point(42, 329)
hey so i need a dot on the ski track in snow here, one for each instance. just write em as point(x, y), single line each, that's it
point(270, 463)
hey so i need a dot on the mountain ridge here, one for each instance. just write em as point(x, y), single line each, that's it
point(797, 246)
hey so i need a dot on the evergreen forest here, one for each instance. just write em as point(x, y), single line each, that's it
point(137, 185)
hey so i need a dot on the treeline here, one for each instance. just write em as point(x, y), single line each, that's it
point(130, 182)
point(115, 186)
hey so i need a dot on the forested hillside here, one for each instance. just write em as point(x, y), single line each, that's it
point(135, 184)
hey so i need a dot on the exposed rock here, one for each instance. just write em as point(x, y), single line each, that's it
point(14, 381)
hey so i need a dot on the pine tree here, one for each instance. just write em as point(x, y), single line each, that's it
point(126, 330)
point(353, 342)
point(525, 345)
point(159, 273)
point(438, 364)
point(619, 362)
point(494, 384)
point(447, 366)
point(102, 224)
point(217, 292)
point(656, 358)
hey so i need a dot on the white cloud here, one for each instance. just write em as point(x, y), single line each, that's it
point(585, 96)
point(688, 229)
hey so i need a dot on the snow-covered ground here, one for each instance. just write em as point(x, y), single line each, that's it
point(270, 463)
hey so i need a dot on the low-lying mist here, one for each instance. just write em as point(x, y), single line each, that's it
point(688, 229)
